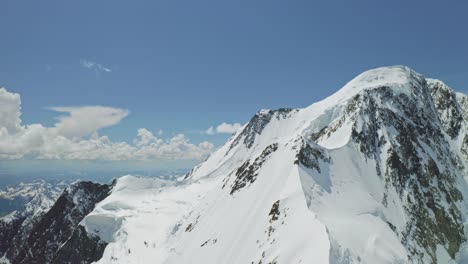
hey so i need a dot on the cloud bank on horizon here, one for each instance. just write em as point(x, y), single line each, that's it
point(75, 136)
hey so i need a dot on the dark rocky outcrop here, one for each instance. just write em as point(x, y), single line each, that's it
point(80, 248)
point(258, 123)
point(310, 157)
point(56, 235)
point(8, 231)
point(247, 173)
point(448, 109)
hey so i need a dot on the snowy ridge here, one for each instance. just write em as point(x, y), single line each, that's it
point(372, 174)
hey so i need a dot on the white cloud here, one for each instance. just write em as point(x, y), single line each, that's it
point(210, 131)
point(10, 110)
point(94, 66)
point(69, 138)
point(175, 148)
point(224, 128)
point(145, 137)
point(228, 128)
point(82, 121)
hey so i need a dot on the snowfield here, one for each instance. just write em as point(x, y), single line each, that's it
point(342, 181)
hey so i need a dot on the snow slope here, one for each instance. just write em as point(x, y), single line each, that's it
point(372, 174)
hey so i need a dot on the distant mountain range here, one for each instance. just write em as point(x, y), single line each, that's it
point(30, 197)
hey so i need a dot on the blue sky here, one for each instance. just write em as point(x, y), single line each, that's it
point(183, 66)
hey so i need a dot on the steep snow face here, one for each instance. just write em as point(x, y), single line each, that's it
point(372, 174)
point(417, 174)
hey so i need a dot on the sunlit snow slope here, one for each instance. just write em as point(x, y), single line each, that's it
point(372, 174)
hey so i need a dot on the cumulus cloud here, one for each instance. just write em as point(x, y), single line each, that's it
point(10, 111)
point(145, 137)
point(224, 128)
point(176, 147)
point(94, 66)
point(75, 136)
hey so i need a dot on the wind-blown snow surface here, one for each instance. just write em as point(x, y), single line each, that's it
point(372, 174)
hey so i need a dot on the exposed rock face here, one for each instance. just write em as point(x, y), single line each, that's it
point(256, 125)
point(42, 239)
point(247, 173)
point(8, 231)
point(404, 134)
point(310, 156)
point(449, 109)
point(463, 103)
point(81, 247)
point(37, 198)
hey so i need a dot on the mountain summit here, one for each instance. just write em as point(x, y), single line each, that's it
point(375, 173)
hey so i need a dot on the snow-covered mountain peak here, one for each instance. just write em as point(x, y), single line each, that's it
point(389, 135)
point(384, 94)
point(372, 174)
point(383, 76)
point(401, 79)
